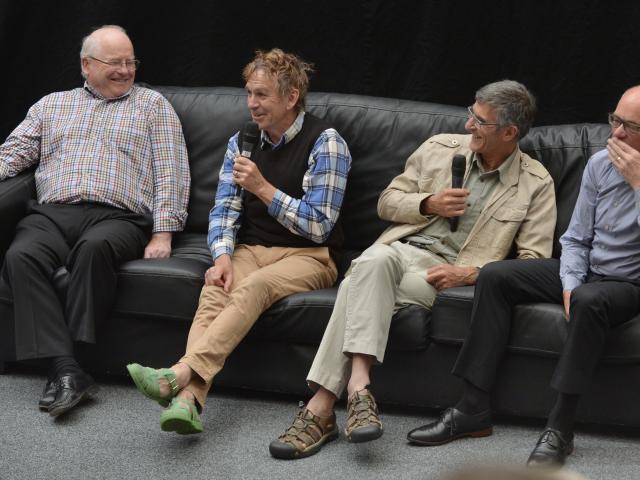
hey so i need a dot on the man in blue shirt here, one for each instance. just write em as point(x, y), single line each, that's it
point(271, 229)
point(597, 280)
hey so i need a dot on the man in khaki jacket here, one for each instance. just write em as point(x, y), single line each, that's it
point(507, 198)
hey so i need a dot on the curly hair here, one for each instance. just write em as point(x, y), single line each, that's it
point(289, 70)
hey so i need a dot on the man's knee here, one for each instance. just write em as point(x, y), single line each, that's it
point(94, 251)
point(21, 254)
point(377, 255)
point(588, 298)
point(497, 274)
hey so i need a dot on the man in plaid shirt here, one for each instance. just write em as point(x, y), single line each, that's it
point(270, 231)
point(112, 181)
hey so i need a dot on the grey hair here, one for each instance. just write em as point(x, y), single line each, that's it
point(514, 104)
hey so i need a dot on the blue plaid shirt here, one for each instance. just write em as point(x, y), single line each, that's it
point(313, 216)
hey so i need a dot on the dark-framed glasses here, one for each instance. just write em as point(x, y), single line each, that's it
point(132, 64)
point(477, 122)
point(631, 128)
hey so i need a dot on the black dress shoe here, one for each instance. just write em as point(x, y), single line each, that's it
point(552, 449)
point(72, 389)
point(48, 394)
point(451, 425)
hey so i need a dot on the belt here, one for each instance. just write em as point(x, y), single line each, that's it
point(421, 246)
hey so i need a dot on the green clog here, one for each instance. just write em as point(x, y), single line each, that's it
point(181, 417)
point(147, 380)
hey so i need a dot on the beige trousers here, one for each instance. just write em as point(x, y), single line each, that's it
point(382, 280)
point(261, 276)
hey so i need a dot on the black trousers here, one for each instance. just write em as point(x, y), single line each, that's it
point(91, 241)
point(596, 306)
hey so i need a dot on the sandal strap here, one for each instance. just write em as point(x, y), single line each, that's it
point(170, 377)
point(305, 430)
point(362, 410)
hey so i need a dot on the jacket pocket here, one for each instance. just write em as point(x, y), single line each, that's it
point(510, 214)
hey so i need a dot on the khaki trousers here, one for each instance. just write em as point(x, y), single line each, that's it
point(382, 280)
point(261, 276)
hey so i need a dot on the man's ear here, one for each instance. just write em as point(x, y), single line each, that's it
point(83, 65)
point(510, 133)
point(292, 98)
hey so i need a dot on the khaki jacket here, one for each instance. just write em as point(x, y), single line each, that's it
point(521, 210)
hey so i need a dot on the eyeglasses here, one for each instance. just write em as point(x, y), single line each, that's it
point(477, 122)
point(631, 128)
point(129, 64)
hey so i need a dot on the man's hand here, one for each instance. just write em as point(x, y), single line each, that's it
point(447, 276)
point(248, 176)
point(566, 299)
point(626, 159)
point(221, 274)
point(159, 246)
point(450, 202)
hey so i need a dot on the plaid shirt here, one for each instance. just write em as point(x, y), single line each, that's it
point(312, 216)
point(127, 152)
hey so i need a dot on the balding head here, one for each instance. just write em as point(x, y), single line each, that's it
point(106, 34)
point(107, 61)
point(628, 112)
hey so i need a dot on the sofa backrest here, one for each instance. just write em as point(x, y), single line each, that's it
point(381, 134)
point(564, 151)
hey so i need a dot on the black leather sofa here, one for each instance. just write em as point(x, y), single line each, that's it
point(157, 298)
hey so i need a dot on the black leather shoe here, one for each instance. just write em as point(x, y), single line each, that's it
point(552, 449)
point(451, 425)
point(48, 394)
point(72, 389)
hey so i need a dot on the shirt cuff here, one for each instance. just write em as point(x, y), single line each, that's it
point(221, 248)
point(570, 283)
point(168, 222)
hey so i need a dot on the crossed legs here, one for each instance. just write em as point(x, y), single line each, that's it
point(261, 276)
point(382, 280)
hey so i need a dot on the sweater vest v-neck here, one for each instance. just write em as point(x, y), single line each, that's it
point(284, 168)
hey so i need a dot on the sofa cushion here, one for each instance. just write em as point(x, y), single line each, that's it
point(537, 328)
point(301, 318)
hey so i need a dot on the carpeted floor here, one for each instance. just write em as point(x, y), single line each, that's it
point(117, 436)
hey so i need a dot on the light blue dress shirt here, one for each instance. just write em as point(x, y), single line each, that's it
point(604, 233)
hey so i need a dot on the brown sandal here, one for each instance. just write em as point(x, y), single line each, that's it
point(363, 421)
point(305, 436)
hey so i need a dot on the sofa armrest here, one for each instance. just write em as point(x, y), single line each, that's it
point(15, 194)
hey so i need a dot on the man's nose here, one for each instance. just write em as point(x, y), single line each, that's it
point(470, 125)
point(619, 132)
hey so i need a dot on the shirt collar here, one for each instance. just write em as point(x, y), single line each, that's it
point(94, 92)
point(289, 135)
point(503, 169)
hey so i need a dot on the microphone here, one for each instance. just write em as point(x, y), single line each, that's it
point(248, 138)
point(458, 166)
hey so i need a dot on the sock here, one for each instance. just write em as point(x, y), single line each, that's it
point(62, 365)
point(474, 400)
point(563, 413)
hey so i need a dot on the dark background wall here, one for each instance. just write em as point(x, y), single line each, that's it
point(576, 56)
